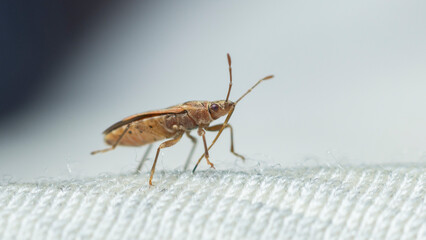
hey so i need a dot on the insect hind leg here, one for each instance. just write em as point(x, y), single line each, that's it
point(138, 169)
point(115, 144)
point(194, 144)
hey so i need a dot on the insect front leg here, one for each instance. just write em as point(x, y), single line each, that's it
point(194, 141)
point(215, 139)
point(165, 144)
point(202, 133)
point(115, 144)
point(216, 128)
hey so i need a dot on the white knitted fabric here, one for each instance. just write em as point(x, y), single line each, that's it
point(295, 203)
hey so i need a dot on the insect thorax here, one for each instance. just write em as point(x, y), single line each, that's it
point(181, 120)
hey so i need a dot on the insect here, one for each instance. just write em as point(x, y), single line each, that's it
point(171, 123)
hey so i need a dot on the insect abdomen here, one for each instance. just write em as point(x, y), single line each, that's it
point(142, 132)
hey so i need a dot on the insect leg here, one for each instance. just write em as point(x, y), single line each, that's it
point(202, 133)
point(115, 144)
point(165, 144)
point(194, 141)
point(216, 128)
point(143, 159)
point(217, 137)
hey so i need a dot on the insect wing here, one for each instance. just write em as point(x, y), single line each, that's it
point(144, 115)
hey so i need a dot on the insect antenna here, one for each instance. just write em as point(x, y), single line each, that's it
point(230, 111)
point(261, 80)
point(230, 77)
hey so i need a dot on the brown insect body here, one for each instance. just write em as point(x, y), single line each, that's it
point(184, 117)
point(171, 123)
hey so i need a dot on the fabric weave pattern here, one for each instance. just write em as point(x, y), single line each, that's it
point(290, 203)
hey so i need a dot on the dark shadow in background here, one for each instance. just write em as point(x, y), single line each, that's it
point(34, 35)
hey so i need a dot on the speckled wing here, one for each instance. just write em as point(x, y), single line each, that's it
point(140, 116)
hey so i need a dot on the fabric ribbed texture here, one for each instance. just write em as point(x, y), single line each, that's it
point(297, 203)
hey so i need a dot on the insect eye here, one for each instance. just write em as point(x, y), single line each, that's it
point(214, 107)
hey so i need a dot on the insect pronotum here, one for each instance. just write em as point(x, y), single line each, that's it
point(171, 123)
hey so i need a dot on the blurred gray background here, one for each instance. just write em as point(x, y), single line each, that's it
point(349, 86)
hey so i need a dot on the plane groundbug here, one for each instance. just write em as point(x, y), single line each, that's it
point(171, 123)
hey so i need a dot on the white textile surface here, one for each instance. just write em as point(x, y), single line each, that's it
point(299, 203)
